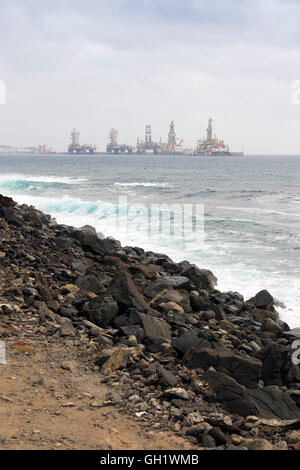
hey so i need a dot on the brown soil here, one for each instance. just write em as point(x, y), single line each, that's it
point(44, 406)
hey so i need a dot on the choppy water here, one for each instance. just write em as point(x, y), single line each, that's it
point(251, 206)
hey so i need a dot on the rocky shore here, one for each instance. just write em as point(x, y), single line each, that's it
point(177, 354)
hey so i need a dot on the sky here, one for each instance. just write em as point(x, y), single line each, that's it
point(97, 64)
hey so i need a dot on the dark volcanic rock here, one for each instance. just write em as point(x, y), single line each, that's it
point(233, 396)
point(90, 284)
point(188, 341)
point(144, 270)
point(91, 242)
point(273, 403)
point(156, 328)
point(7, 201)
point(277, 366)
point(263, 300)
point(202, 278)
point(267, 403)
point(102, 310)
point(167, 378)
point(124, 291)
point(189, 351)
point(245, 370)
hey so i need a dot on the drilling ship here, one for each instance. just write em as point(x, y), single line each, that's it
point(75, 147)
point(212, 146)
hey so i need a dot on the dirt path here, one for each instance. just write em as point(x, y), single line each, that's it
point(49, 400)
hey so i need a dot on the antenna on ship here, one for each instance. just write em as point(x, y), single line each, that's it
point(172, 134)
point(209, 130)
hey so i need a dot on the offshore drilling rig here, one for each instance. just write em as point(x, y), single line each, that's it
point(212, 146)
point(75, 147)
point(174, 146)
point(114, 147)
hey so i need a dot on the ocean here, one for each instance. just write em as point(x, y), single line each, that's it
point(251, 210)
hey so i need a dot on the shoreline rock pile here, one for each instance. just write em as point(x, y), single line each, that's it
point(177, 352)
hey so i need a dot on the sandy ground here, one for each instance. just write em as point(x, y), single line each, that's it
point(50, 400)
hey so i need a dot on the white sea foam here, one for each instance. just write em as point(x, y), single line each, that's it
point(142, 185)
point(15, 177)
point(220, 257)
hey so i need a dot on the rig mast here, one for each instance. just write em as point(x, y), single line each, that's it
point(148, 135)
point(75, 138)
point(209, 131)
point(172, 134)
point(113, 135)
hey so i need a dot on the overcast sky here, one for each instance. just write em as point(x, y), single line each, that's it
point(95, 64)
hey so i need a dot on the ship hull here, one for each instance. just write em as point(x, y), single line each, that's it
point(220, 154)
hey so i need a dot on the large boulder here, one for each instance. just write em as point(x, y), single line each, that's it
point(268, 403)
point(273, 403)
point(245, 370)
point(232, 396)
point(190, 340)
point(277, 366)
point(202, 278)
point(263, 300)
point(7, 201)
point(91, 242)
point(125, 292)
